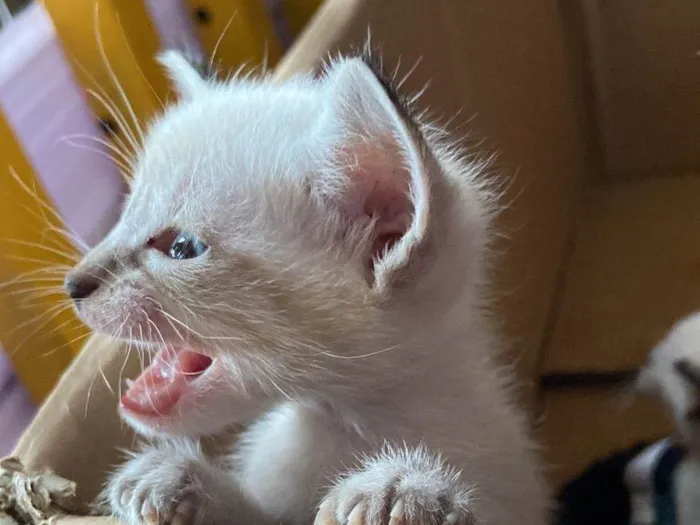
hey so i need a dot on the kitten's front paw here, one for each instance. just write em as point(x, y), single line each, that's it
point(399, 487)
point(161, 486)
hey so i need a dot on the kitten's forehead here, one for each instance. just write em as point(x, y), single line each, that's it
point(218, 145)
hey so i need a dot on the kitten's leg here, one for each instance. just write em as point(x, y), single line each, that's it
point(174, 483)
point(398, 487)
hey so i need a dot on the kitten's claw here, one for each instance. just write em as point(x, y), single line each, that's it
point(396, 514)
point(324, 515)
point(357, 516)
point(406, 488)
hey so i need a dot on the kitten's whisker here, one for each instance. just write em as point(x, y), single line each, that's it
point(69, 236)
point(132, 143)
point(126, 357)
point(52, 309)
point(41, 214)
point(67, 343)
point(42, 204)
point(159, 309)
point(40, 293)
point(89, 394)
point(113, 76)
point(175, 329)
point(50, 226)
point(140, 351)
point(361, 356)
point(121, 160)
point(194, 332)
point(35, 276)
point(46, 263)
point(107, 270)
point(104, 378)
point(165, 345)
point(70, 256)
point(120, 381)
point(188, 309)
point(278, 388)
point(138, 67)
point(103, 98)
point(123, 155)
point(212, 58)
point(56, 311)
point(56, 288)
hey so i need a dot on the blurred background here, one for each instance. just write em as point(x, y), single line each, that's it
point(592, 105)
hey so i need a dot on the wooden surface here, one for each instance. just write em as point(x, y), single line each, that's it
point(634, 272)
point(645, 60)
point(582, 425)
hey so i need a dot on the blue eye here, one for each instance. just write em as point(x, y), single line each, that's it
point(186, 246)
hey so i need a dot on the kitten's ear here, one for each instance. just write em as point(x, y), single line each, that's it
point(186, 77)
point(380, 167)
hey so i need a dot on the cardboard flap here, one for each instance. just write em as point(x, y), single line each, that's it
point(77, 431)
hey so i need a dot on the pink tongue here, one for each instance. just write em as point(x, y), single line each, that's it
point(160, 386)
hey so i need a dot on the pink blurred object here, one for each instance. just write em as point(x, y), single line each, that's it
point(16, 409)
point(48, 113)
point(174, 25)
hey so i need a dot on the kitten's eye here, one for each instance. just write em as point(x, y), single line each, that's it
point(186, 246)
point(178, 245)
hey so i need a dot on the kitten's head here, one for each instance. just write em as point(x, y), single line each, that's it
point(267, 225)
point(672, 374)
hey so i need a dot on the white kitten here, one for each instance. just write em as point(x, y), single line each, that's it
point(672, 373)
point(309, 260)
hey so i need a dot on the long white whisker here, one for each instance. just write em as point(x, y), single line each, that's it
point(361, 356)
point(138, 67)
point(42, 204)
point(122, 159)
point(121, 122)
point(113, 76)
point(66, 255)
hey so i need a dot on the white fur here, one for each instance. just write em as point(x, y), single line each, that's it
point(378, 374)
point(660, 377)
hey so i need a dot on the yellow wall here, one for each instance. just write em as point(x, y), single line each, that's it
point(38, 328)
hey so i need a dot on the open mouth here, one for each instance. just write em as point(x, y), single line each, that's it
point(169, 377)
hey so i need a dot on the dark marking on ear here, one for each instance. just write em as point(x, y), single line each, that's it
point(206, 68)
point(402, 103)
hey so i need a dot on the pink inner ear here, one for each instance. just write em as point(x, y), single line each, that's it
point(380, 190)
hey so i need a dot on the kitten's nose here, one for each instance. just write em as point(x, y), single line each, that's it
point(81, 287)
